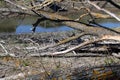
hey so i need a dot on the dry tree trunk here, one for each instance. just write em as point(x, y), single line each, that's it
point(84, 44)
point(99, 31)
point(104, 10)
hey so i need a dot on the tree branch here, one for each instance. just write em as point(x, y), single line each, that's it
point(104, 10)
point(100, 31)
point(19, 6)
point(84, 44)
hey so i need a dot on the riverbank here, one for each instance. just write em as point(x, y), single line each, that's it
point(25, 45)
point(21, 57)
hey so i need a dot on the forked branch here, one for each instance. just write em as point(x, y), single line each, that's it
point(107, 37)
point(104, 10)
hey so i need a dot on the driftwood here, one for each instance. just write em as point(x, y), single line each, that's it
point(104, 10)
point(83, 44)
point(107, 37)
point(77, 25)
point(82, 27)
point(98, 15)
point(63, 41)
point(102, 32)
point(95, 14)
point(71, 23)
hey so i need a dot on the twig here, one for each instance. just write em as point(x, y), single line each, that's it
point(19, 6)
point(6, 52)
point(104, 10)
point(107, 37)
point(63, 41)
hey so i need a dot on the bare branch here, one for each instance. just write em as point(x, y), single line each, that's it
point(21, 7)
point(104, 10)
point(63, 41)
point(85, 43)
point(77, 25)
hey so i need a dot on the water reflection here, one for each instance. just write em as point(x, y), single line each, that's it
point(8, 25)
point(111, 24)
point(27, 29)
point(17, 25)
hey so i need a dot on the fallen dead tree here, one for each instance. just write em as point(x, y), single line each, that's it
point(103, 33)
point(77, 25)
point(98, 36)
point(88, 29)
point(78, 46)
point(92, 72)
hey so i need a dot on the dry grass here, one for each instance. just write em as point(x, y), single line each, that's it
point(51, 68)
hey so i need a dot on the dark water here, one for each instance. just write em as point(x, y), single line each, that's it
point(24, 25)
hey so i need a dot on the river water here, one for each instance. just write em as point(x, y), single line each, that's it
point(24, 25)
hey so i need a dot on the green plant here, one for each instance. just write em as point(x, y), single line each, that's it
point(109, 61)
point(25, 63)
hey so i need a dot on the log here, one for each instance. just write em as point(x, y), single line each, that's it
point(88, 29)
point(69, 56)
point(63, 41)
point(100, 31)
point(112, 37)
point(82, 45)
point(98, 15)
